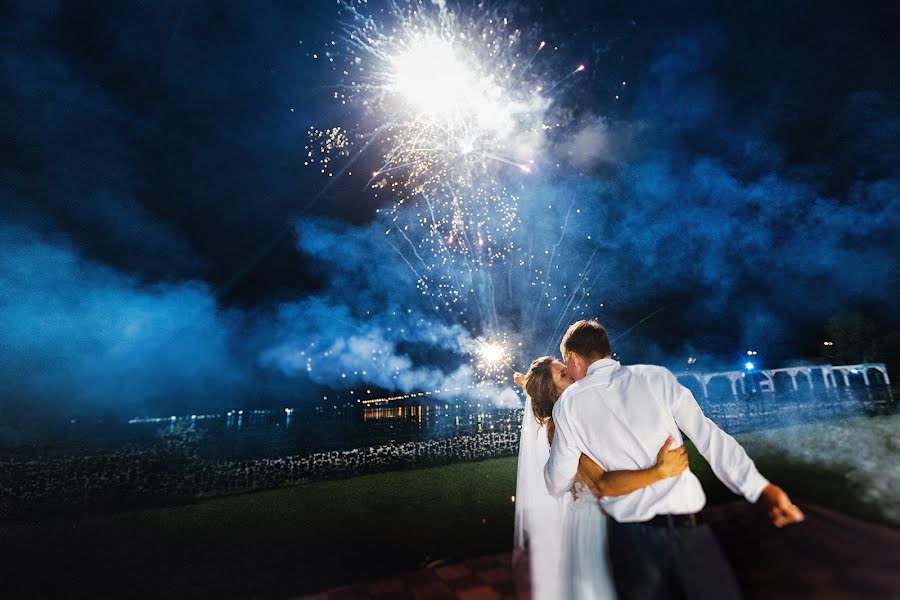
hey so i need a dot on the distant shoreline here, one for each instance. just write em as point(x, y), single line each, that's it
point(173, 471)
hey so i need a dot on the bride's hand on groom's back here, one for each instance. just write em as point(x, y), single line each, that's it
point(671, 463)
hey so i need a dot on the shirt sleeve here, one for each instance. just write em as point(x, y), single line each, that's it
point(561, 468)
point(729, 461)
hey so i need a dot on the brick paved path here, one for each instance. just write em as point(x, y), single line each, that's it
point(484, 578)
point(830, 555)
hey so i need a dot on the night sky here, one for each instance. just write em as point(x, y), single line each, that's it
point(163, 247)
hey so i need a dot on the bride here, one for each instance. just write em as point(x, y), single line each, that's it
point(562, 542)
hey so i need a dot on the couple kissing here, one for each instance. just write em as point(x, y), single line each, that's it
point(606, 503)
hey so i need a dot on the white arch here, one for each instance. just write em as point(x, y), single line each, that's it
point(827, 371)
point(879, 367)
point(700, 378)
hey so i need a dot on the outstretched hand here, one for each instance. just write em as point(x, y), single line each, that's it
point(779, 506)
point(671, 463)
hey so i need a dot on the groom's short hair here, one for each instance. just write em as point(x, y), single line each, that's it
point(587, 339)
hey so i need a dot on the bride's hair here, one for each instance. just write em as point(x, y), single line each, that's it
point(538, 384)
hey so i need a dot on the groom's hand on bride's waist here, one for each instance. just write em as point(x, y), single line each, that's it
point(779, 507)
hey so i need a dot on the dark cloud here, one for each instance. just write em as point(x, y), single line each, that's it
point(164, 139)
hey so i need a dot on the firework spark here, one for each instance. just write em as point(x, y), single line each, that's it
point(326, 145)
point(492, 357)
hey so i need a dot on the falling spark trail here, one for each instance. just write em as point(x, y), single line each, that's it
point(654, 313)
point(511, 163)
point(285, 229)
point(472, 278)
point(530, 256)
point(547, 274)
point(453, 274)
point(560, 82)
point(412, 246)
point(509, 271)
point(564, 313)
point(531, 60)
point(406, 260)
point(495, 318)
point(386, 170)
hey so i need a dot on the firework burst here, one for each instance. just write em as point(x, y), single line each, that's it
point(456, 107)
point(457, 112)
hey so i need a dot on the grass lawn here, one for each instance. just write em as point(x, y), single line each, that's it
point(314, 536)
point(274, 543)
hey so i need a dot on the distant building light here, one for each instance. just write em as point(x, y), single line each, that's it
point(749, 366)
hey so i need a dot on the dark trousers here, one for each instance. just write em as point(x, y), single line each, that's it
point(651, 561)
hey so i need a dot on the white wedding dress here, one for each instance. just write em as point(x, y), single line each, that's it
point(563, 540)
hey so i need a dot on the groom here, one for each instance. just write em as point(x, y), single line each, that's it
point(618, 416)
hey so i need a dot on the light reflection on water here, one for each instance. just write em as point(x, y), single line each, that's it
point(271, 433)
point(279, 432)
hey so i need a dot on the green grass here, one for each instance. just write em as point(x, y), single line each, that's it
point(280, 542)
point(318, 535)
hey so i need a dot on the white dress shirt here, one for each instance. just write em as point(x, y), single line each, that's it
point(619, 416)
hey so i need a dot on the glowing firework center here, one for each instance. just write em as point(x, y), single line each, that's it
point(492, 358)
point(430, 77)
point(492, 354)
point(467, 106)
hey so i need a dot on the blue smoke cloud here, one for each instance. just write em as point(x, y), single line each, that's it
point(82, 336)
point(368, 328)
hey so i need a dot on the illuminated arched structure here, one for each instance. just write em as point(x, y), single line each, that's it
point(736, 378)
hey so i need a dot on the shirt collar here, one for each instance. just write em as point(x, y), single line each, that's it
point(602, 369)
